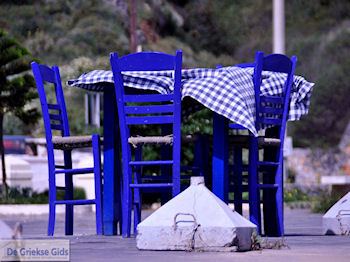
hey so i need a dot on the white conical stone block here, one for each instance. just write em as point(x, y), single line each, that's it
point(195, 218)
point(337, 219)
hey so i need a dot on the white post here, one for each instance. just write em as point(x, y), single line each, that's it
point(279, 48)
point(86, 98)
point(97, 110)
point(278, 27)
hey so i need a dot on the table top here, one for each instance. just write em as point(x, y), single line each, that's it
point(228, 91)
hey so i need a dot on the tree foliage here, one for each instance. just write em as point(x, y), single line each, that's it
point(209, 32)
point(16, 88)
point(330, 108)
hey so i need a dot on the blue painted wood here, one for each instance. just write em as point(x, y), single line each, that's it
point(271, 167)
point(152, 185)
point(253, 180)
point(236, 126)
point(270, 121)
point(147, 98)
point(151, 163)
point(237, 178)
point(111, 166)
point(220, 156)
point(146, 61)
point(245, 65)
point(53, 106)
point(75, 171)
point(145, 120)
point(271, 110)
point(137, 192)
point(59, 121)
point(75, 202)
point(149, 109)
point(271, 99)
point(165, 170)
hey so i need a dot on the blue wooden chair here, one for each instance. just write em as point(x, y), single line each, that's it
point(264, 177)
point(56, 122)
point(153, 109)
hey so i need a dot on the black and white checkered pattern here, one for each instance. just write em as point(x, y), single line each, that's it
point(228, 91)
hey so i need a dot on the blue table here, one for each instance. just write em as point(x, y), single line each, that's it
point(112, 165)
point(227, 91)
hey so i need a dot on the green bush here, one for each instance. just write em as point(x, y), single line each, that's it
point(26, 195)
point(324, 201)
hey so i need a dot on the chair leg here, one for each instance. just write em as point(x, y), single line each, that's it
point(279, 201)
point(126, 201)
point(137, 194)
point(98, 183)
point(68, 193)
point(253, 182)
point(273, 208)
point(166, 153)
point(52, 215)
point(52, 196)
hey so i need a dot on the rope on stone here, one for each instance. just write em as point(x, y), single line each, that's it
point(191, 242)
point(341, 213)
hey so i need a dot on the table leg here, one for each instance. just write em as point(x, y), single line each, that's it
point(111, 166)
point(220, 156)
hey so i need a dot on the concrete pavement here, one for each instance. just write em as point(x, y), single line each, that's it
point(303, 237)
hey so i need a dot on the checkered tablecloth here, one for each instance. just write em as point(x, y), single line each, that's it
point(228, 91)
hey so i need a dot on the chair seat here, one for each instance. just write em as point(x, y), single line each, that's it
point(72, 142)
point(144, 140)
point(242, 140)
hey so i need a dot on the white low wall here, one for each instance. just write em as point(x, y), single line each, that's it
point(35, 174)
point(40, 209)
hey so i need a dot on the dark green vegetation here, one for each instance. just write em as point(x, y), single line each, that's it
point(16, 89)
point(78, 35)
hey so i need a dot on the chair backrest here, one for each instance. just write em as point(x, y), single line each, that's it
point(273, 110)
point(147, 110)
point(54, 114)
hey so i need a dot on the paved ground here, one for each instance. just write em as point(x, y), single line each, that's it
point(303, 237)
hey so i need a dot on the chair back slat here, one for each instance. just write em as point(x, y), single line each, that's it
point(55, 117)
point(146, 120)
point(271, 110)
point(53, 106)
point(147, 98)
point(272, 99)
point(271, 121)
point(57, 127)
point(149, 109)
